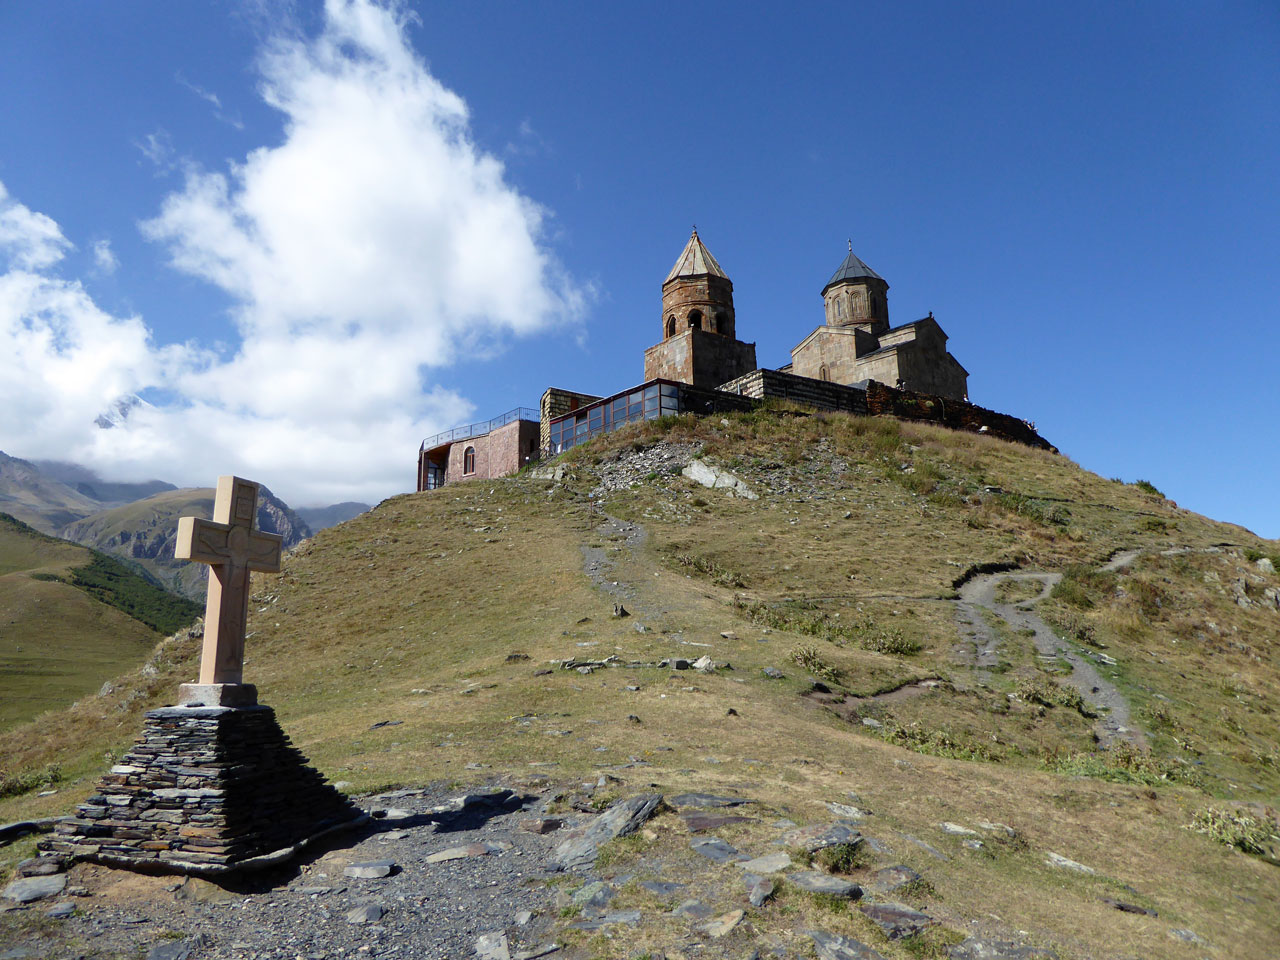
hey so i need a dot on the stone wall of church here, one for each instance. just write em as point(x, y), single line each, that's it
point(836, 349)
point(762, 384)
point(712, 297)
point(700, 358)
point(956, 414)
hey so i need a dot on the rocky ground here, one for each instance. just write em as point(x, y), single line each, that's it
point(498, 876)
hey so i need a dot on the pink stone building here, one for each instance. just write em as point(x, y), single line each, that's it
point(479, 451)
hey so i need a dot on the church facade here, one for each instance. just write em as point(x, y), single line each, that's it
point(699, 342)
point(856, 343)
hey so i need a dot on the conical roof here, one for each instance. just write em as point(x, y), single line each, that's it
point(695, 261)
point(852, 269)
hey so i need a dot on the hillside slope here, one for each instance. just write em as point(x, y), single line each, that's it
point(932, 609)
point(69, 621)
point(142, 533)
point(41, 501)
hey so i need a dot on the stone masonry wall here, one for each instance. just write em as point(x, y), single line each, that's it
point(202, 790)
point(761, 384)
point(700, 358)
point(556, 403)
point(957, 414)
point(877, 399)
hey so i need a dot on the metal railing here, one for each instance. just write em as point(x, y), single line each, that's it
point(480, 429)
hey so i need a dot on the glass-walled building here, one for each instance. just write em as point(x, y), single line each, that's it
point(649, 401)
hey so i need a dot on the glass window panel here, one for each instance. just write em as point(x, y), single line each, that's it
point(651, 404)
point(669, 406)
point(651, 414)
point(651, 391)
point(668, 389)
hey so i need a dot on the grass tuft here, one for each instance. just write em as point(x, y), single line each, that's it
point(1235, 829)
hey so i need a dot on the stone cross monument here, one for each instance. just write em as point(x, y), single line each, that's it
point(232, 548)
point(213, 785)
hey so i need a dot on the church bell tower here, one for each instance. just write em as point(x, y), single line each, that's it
point(699, 335)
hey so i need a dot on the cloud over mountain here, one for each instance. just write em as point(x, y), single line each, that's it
point(359, 252)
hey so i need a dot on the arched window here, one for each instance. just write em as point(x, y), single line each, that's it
point(722, 322)
point(695, 319)
point(824, 373)
point(469, 460)
point(839, 308)
point(671, 325)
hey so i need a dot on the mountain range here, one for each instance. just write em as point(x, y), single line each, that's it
point(136, 522)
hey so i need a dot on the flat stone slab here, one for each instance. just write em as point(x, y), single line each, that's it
point(496, 798)
point(624, 817)
point(699, 820)
point(174, 950)
point(818, 837)
point(593, 898)
point(370, 870)
point(706, 800)
point(1129, 907)
point(31, 889)
point(833, 947)
point(889, 879)
point(815, 881)
point(769, 863)
point(1057, 860)
point(460, 853)
point(493, 946)
point(694, 909)
point(721, 926)
point(542, 825)
point(713, 848)
point(759, 889)
point(978, 949)
point(365, 913)
point(957, 830)
point(897, 920)
point(847, 811)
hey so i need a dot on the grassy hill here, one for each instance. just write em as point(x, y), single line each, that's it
point(480, 620)
point(70, 620)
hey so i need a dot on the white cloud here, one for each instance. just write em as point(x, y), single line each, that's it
point(212, 99)
point(158, 148)
point(28, 240)
point(104, 260)
point(375, 241)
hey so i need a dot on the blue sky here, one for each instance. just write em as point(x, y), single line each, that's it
point(309, 236)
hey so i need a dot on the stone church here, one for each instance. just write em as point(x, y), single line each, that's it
point(855, 344)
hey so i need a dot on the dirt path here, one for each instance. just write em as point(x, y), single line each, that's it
point(980, 644)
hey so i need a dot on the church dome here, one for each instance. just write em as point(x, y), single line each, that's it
point(695, 261)
point(852, 269)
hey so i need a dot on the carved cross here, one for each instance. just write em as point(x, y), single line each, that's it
point(232, 548)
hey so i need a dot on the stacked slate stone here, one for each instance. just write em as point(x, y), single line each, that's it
point(204, 790)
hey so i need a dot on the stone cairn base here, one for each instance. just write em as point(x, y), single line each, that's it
point(206, 791)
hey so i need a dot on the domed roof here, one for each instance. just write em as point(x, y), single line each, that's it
point(695, 261)
point(852, 269)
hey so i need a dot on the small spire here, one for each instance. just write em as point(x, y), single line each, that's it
point(695, 229)
point(851, 245)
